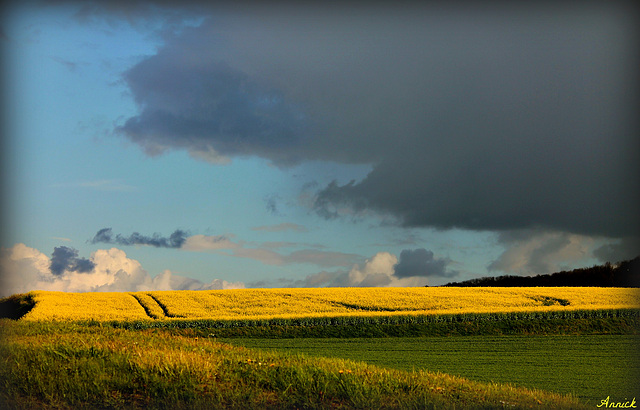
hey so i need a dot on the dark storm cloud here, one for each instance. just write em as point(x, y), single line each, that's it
point(143, 14)
point(421, 262)
point(64, 259)
point(495, 117)
point(175, 240)
point(209, 106)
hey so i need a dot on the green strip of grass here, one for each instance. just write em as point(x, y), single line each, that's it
point(590, 367)
point(623, 321)
point(67, 366)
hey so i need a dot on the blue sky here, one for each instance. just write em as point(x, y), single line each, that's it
point(304, 146)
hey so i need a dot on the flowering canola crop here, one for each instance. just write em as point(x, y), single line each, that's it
point(85, 306)
point(250, 304)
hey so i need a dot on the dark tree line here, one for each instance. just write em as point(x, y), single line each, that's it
point(623, 274)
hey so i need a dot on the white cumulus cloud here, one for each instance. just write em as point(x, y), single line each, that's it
point(25, 269)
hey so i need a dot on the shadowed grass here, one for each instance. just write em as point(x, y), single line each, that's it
point(16, 306)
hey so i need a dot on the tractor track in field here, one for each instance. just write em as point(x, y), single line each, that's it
point(164, 308)
point(146, 308)
point(152, 305)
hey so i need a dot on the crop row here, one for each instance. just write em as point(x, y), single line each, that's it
point(374, 320)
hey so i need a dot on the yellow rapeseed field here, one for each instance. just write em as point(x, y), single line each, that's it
point(85, 306)
point(323, 302)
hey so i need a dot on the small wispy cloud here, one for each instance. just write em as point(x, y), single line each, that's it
point(271, 204)
point(58, 238)
point(70, 65)
point(208, 243)
point(285, 226)
point(99, 185)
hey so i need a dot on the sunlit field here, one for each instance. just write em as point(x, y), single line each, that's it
point(321, 348)
point(323, 302)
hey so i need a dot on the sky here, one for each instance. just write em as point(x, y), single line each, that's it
point(185, 145)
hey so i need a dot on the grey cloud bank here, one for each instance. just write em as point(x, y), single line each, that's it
point(421, 262)
point(488, 118)
point(175, 240)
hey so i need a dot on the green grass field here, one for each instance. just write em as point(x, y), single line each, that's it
point(71, 366)
point(591, 367)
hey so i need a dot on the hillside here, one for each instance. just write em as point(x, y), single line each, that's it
point(623, 274)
